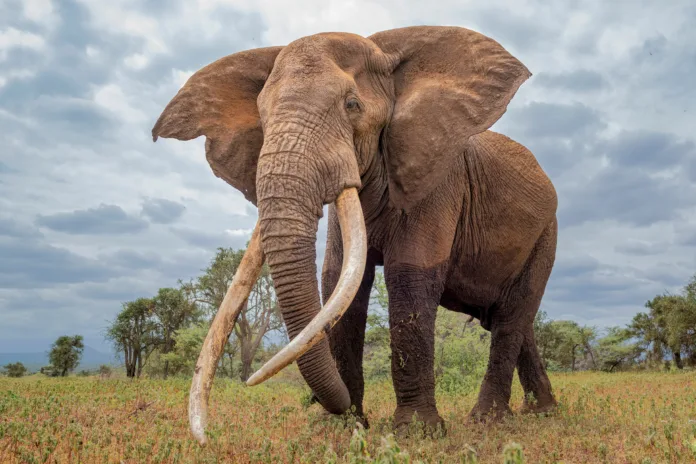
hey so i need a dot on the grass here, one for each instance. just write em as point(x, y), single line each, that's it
point(614, 418)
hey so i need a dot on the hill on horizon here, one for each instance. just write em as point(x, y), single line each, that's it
point(90, 359)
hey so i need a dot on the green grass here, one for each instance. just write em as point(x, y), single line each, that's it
point(613, 418)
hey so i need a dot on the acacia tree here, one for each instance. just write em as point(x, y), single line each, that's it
point(616, 349)
point(653, 329)
point(258, 317)
point(65, 353)
point(561, 344)
point(174, 311)
point(135, 333)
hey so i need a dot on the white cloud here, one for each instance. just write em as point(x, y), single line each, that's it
point(14, 38)
point(239, 232)
point(112, 98)
point(137, 61)
point(39, 11)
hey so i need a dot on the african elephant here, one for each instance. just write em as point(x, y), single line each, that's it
point(392, 132)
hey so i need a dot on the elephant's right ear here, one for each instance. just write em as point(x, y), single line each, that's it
point(219, 101)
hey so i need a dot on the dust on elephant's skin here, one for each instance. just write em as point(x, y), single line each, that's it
point(458, 215)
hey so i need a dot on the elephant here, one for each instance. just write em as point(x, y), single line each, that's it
point(392, 132)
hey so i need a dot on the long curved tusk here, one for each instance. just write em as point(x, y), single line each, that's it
point(244, 279)
point(354, 237)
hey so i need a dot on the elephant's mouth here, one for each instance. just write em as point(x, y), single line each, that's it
point(354, 255)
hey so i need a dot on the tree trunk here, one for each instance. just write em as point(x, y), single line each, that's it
point(246, 370)
point(572, 366)
point(247, 357)
point(139, 365)
point(589, 350)
point(678, 360)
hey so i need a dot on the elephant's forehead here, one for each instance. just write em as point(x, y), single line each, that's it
point(322, 52)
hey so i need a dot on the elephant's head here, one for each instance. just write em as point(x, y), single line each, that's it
point(293, 127)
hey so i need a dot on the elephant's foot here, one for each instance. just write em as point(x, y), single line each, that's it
point(545, 406)
point(489, 412)
point(418, 422)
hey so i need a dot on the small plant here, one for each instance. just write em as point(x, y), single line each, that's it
point(512, 454)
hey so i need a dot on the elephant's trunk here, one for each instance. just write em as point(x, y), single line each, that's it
point(290, 199)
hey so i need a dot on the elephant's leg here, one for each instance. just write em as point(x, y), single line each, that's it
point(535, 382)
point(414, 295)
point(512, 341)
point(494, 398)
point(348, 335)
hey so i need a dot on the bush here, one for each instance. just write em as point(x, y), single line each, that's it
point(15, 370)
point(105, 371)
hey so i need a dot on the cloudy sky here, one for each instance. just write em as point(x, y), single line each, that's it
point(92, 213)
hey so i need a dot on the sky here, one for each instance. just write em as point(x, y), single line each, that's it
point(92, 213)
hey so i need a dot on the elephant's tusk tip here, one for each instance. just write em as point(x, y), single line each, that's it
point(254, 380)
point(198, 432)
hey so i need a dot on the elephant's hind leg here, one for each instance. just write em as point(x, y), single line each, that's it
point(494, 397)
point(538, 396)
point(512, 339)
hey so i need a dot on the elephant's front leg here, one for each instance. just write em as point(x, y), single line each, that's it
point(348, 335)
point(413, 299)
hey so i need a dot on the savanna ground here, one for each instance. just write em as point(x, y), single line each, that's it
point(639, 417)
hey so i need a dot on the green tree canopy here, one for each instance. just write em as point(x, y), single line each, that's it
point(173, 311)
point(65, 353)
point(135, 332)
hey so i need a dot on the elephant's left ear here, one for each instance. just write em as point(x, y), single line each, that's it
point(450, 83)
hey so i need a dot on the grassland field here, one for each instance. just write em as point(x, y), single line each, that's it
point(642, 417)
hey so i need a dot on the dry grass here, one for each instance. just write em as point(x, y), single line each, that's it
point(617, 418)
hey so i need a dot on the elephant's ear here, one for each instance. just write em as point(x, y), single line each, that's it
point(450, 83)
point(219, 101)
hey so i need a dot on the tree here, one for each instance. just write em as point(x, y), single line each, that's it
point(65, 353)
point(15, 369)
point(547, 338)
point(616, 349)
point(174, 311)
point(562, 344)
point(664, 328)
point(259, 316)
point(135, 332)
point(188, 342)
point(680, 321)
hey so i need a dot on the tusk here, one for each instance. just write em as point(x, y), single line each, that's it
point(350, 217)
point(220, 330)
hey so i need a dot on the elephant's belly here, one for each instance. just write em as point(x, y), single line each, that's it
point(477, 284)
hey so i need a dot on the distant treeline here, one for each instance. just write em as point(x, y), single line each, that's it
point(162, 335)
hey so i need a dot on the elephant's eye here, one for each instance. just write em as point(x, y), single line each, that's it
point(352, 104)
